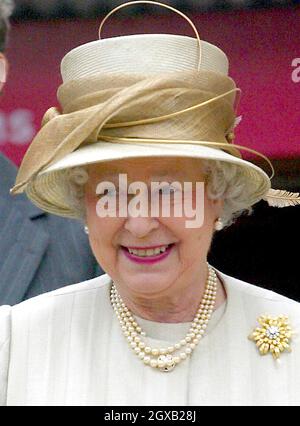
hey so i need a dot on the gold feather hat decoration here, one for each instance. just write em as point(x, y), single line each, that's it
point(142, 95)
point(282, 198)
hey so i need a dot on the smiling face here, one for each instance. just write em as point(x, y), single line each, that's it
point(117, 241)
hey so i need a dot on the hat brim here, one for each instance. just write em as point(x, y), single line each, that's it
point(48, 190)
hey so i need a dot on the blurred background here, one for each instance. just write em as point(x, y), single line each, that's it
point(262, 42)
point(37, 9)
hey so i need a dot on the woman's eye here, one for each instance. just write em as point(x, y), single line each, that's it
point(168, 190)
point(108, 192)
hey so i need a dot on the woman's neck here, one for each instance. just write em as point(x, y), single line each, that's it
point(174, 308)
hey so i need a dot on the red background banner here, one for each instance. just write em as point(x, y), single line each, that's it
point(263, 47)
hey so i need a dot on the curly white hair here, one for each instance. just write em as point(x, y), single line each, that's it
point(223, 181)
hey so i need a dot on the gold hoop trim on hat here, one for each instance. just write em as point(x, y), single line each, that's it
point(226, 146)
point(157, 4)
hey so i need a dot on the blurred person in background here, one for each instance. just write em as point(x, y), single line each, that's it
point(38, 251)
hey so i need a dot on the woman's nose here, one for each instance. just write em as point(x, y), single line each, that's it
point(141, 226)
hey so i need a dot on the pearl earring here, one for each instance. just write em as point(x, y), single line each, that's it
point(219, 224)
point(86, 230)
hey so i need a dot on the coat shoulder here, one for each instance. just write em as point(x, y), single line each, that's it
point(258, 299)
point(63, 297)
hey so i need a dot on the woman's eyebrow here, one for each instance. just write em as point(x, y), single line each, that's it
point(157, 175)
point(109, 177)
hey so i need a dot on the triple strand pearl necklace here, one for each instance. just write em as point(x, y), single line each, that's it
point(165, 359)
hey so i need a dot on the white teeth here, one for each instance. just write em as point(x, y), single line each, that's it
point(148, 252)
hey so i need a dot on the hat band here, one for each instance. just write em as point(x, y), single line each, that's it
point(159, 118)
point(232, 149)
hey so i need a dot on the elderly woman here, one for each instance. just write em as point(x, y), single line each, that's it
point(146, 124)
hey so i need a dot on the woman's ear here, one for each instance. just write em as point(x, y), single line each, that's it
point(218, 206)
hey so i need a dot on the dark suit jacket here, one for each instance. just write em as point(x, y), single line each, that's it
point(39, 252)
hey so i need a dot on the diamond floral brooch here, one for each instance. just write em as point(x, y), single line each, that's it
point(273, 336)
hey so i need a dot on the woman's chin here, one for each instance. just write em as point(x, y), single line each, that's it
point(146, 275)
point(146, 282)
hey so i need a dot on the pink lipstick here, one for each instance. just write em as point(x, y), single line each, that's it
point(147, 259)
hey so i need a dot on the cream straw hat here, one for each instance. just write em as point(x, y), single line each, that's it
point(138, 96)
